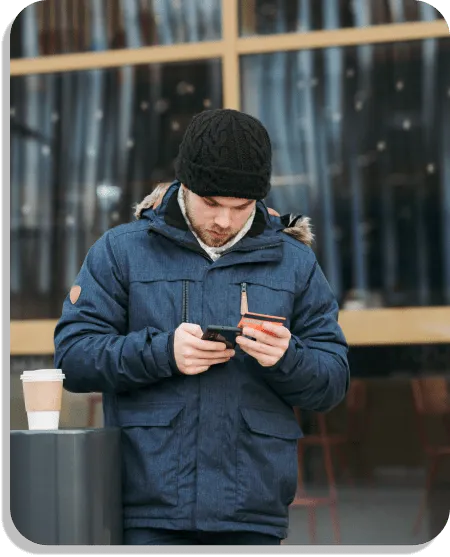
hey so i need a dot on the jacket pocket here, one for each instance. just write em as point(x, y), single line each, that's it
point(264, 296)
point(266, 462)
point(151, 437)
point(160, 304)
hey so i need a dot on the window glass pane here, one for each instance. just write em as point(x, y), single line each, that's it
point(64, 26)
point(265, 17)
point(384, 363)
point(361, 139)
point(85, 147)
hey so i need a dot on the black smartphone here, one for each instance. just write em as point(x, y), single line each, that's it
point(220, 333)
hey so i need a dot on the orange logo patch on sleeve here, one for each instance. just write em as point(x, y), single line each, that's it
point(75, 292)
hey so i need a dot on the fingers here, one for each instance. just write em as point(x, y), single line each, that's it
point(273, 212)
point(190, 353)
point(195, 371)
point(253, 348)
point(266, 349)
point(196, 341)
point(260, 336)
point(278, 330)
point(194, 363)
point(192, 328)
point(196, 366)
point(194, 355)
point(265, 355)
point(280, 340)
point(208, 345)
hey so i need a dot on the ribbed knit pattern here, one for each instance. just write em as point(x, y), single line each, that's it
point(225, 153)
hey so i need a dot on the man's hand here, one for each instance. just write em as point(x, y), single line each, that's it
point(194, 355)
point(266, 349)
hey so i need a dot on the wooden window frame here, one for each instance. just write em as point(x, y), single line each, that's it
point(369, 327)
point(387, 326)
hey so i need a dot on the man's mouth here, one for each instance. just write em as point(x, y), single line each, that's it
point(218, 234)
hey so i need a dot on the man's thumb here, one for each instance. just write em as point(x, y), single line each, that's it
point(193, 329)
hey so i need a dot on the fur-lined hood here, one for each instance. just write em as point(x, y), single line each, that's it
point(297, 226)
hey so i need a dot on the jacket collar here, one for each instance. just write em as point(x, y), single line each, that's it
point(297, 226)
point(264, 234)
point(174, 217)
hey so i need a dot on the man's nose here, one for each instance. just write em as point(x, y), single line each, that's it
point(223, 218)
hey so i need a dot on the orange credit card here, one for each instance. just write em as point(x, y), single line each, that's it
point(258, 320)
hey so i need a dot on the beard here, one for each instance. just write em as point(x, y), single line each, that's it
point(209, 239)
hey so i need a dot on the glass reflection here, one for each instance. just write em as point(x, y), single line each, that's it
point(85, 147)
point(264, 17)
point(361, 144)
point(65, 26)
point(382, 365)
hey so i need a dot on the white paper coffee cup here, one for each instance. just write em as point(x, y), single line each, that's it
point(43, 420)
point(42, 389)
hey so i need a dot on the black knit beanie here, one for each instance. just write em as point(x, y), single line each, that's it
point(225, 153)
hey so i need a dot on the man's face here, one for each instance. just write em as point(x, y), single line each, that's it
point(216, 220)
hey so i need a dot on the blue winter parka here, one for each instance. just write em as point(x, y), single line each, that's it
point(214, 451)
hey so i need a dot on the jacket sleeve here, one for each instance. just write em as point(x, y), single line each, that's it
point(314, 373)
point(92, 344)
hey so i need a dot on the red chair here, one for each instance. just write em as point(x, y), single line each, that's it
point(94, 399)
point(431, 399)
point(357, 416)
point(311, 503)
point(358, 421)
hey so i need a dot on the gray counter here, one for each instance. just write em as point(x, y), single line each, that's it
point(66, 486)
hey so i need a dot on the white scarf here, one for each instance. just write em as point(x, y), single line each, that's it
point(213, 252)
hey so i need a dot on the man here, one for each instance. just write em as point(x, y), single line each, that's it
point(209, 433)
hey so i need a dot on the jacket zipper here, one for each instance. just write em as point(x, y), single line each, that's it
point(185, 302)
point(244, 299)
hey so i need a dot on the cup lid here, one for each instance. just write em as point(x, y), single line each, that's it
point(43, 374)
